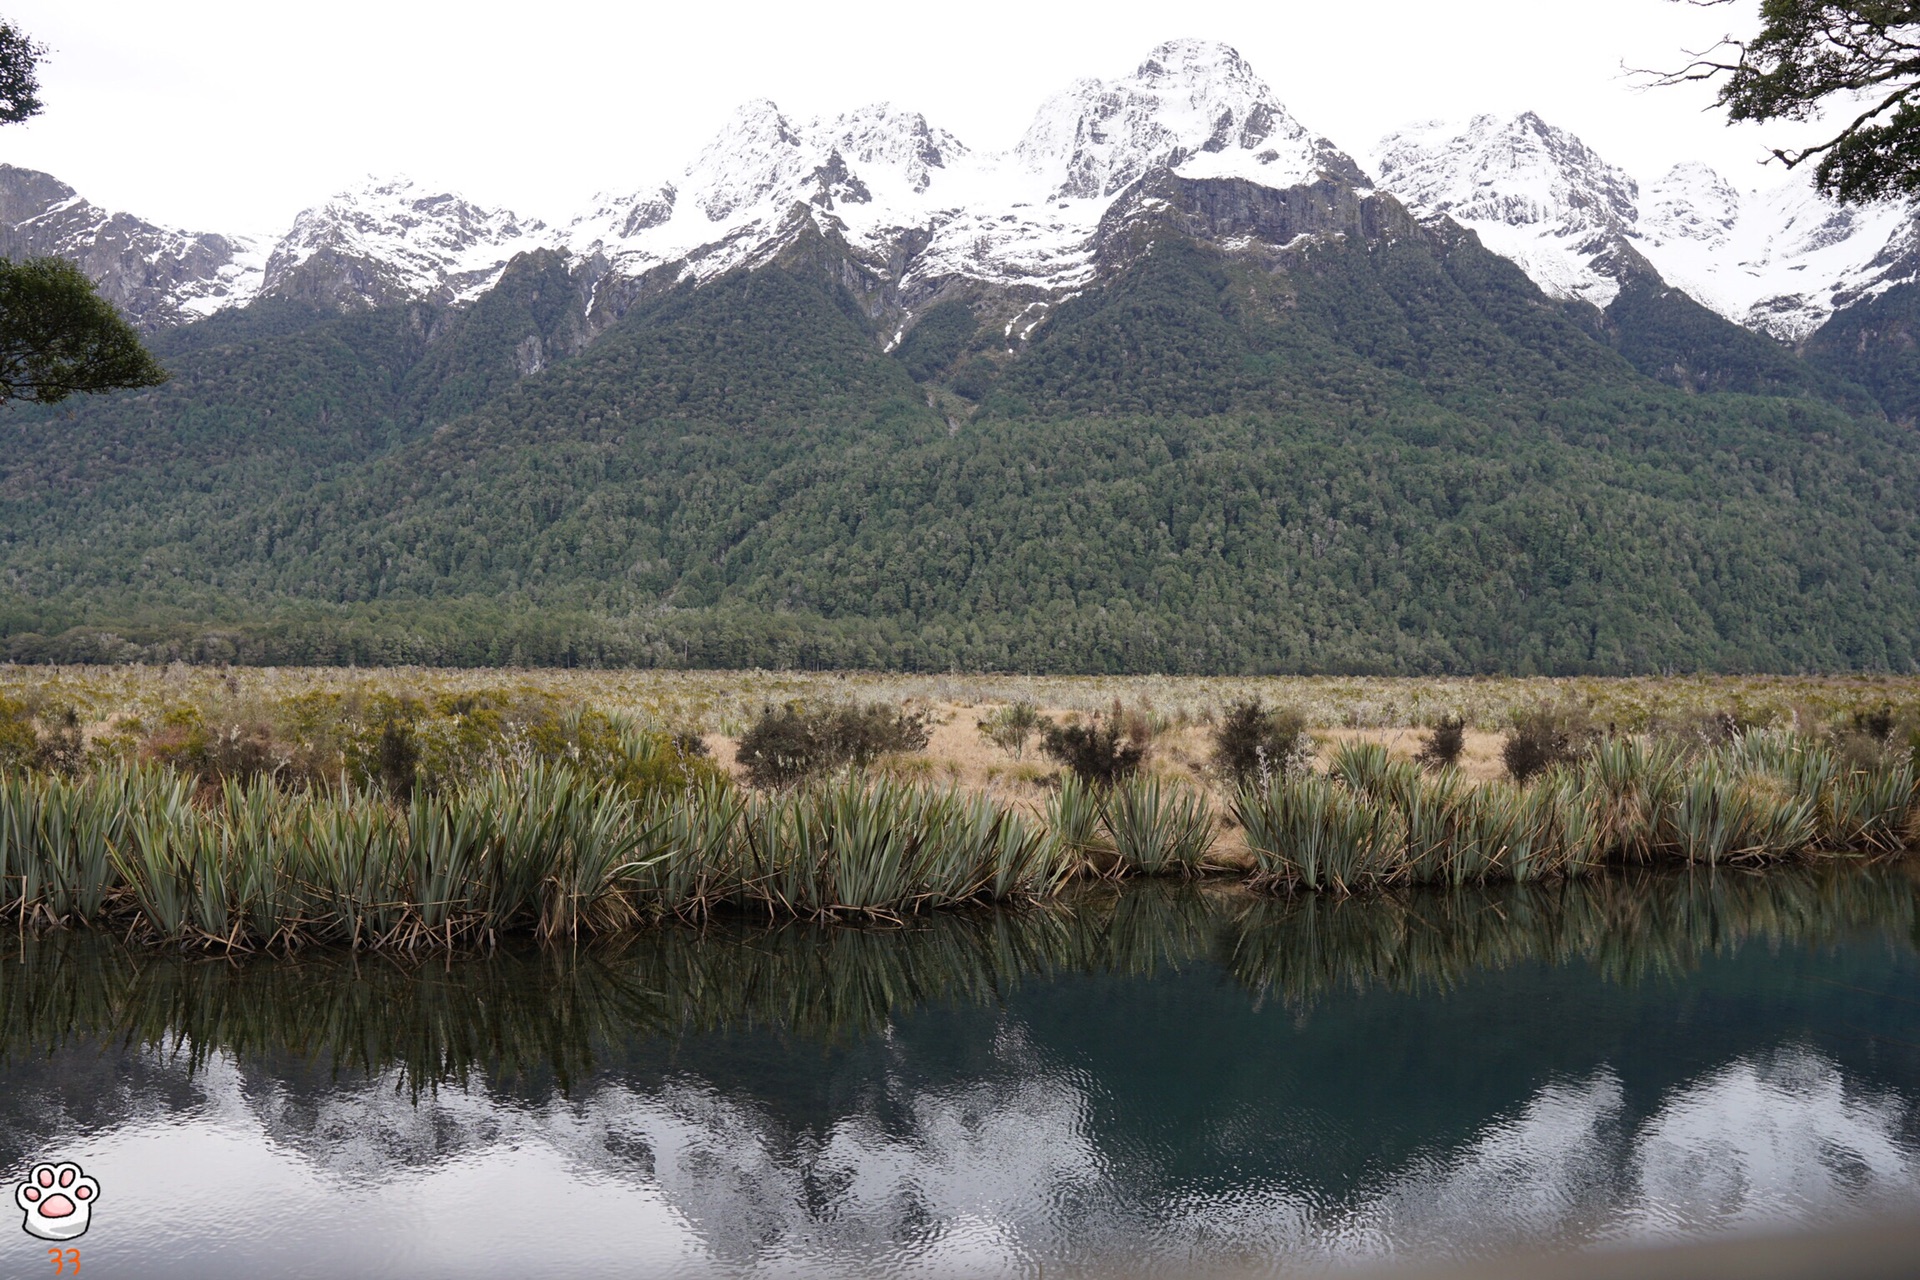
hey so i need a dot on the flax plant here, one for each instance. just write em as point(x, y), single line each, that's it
point(1315, 833)
point(1156, 828)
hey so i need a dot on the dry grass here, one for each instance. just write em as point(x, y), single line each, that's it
point(722, 702)
point(719, 705)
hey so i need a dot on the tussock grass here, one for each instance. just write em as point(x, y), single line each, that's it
point(539, 849)
point(618, 825)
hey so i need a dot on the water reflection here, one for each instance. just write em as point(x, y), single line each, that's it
point(1165, 1079)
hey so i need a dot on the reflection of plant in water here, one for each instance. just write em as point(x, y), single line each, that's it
point(544, 1013)
point(1630, 927)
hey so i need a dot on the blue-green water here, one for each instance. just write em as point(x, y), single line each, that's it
point(1158, 1079)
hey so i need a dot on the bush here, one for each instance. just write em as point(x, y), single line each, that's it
point(1444, 744)
point(1874, 740)
point(1254, 743)
point(1099, 752)
point(1547, 736)
point(238, 750)
point(789, 743)
point(19, 744)
point(397, 759)
point(1011, 727)
point(1875, 725)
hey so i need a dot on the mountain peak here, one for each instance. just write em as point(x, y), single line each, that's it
point(1189, 59)
point(883, 135)
point(158, 276)
point(1190, 99)
point(1779, 262)
point(388, 238)
point(1516, 170)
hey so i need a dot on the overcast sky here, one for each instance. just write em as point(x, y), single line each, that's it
point(232, 115)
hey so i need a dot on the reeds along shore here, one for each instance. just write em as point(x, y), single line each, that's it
point(542, 848)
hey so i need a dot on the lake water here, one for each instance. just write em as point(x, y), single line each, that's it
point(1160, 1079)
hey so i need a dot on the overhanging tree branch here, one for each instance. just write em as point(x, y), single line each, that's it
point(19, 79)
point(1811, 56)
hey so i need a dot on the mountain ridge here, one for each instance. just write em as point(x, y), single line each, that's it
point(928, 215)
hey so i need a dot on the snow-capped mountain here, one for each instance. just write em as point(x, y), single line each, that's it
point(889, 182)
point(1780, 261)
point(913, 204)
point(375, 244)
point(156, 275)
point(389, 240)
point(920, 213)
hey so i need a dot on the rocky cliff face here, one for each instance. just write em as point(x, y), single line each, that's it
point(157, 276)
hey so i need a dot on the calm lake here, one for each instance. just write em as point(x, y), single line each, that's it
point(1158, 1078)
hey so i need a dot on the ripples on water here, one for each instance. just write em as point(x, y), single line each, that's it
point(1156, 1079)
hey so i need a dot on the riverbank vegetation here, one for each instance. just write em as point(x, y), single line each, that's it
point(453, 817)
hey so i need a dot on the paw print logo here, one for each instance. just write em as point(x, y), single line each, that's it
point(58, 1201)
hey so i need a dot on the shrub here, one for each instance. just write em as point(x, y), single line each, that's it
point(214, 753)
point(1099, 752)
point(1011, 727)
point(1545, 737)
point(795, 741)
point(397, 758)
point(19, 744)
point(1875, 725)
point(1874, 740)
point(1254, 742)
point(1445, 741)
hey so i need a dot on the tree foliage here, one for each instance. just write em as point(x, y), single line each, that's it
point(1861, 57)
point(1423, 465)
point(57, 336)
point(19, 74)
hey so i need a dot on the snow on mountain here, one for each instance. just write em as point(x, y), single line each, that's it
point(919, 210)
point(1192, 104)
point(1020, 218)
point(1780, 261)
point(390, 240)
point(157, 275)
point(863, 172)
point(1533, 193)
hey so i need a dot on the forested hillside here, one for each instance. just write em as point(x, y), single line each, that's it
point(1385, 453)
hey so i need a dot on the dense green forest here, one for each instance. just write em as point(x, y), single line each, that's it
point(1372, 455)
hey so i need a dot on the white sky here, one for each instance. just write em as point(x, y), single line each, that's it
point(232, 115)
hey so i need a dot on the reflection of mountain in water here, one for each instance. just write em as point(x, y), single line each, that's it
point(1151, 1077)
point(1012, 1166)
